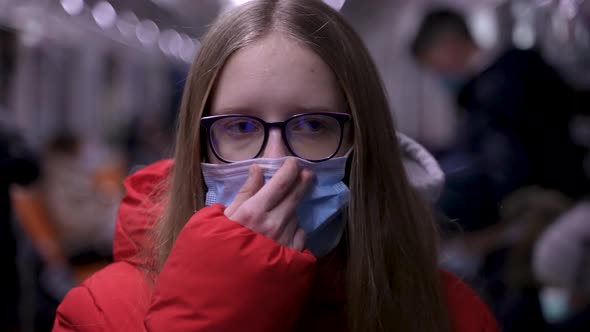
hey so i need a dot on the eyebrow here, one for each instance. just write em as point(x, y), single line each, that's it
point(233, 110)
point(293, 110)
point(316, 109)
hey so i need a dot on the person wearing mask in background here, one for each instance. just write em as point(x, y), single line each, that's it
point(526, 214)
point(287, 206)
point(505, 250)
point(81, 211)
point(69, 217)
point(514, 128)
point(18, 166)
point(561, 262)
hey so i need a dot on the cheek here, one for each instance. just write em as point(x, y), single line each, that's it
point(211, 158)
point(441, 60)
point(207, 154)
point(443, 64)
point(349, 136)
point(347, 142)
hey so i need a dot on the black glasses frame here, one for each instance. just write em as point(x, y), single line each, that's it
point(208, 121)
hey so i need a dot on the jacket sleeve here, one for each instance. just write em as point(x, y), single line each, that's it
point(221, 276)
point(78, 312)
point(113, 299)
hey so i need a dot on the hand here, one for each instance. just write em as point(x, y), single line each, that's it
point(270, 209)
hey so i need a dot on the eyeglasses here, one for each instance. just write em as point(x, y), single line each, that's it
point(311, 136)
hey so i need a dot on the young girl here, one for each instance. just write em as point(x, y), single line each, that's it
point(287, 206)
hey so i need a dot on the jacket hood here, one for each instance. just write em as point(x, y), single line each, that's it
point(141, 205)
point(139, 210)
point(422, 169)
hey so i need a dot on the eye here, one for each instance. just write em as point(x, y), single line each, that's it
point(309, 124)
point(241, 126)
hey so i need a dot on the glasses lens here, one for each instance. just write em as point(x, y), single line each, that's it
point(237, 138)
point(314, 136)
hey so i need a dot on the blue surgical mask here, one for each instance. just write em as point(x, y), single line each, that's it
point(453, 83)
point(320, 212)
point(554, 304)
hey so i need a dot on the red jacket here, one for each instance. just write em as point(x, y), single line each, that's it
point(220, 276)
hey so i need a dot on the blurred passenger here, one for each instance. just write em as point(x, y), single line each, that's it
point(561, 263)
point(514, 122)
point(81, 190)
point(510, 281)
point(496, 260)
point(70, 216)
point(18, 166)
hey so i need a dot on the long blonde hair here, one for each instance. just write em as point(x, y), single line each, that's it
point(393, 283)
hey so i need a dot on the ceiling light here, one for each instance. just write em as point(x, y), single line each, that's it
point(170, 42)
point(147, 32)
point(127, 24)
point(336, 4)
point(72, 7)
point(104, 14)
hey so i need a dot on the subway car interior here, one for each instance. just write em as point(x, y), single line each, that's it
point(90, 92)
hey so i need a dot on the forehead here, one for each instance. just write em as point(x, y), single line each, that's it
point(276, 73)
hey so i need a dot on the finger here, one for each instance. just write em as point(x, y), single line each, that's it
point(298, 239)
point(287, 206)
point(286, 209)
point(286, 230)
point(253, 184)
point(278, 186)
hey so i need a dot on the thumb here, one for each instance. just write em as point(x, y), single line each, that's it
point(298, 239)
point(254, 182)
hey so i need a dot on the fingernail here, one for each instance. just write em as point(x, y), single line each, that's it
point(251, 170)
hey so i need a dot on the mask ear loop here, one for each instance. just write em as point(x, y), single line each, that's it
point(204, 147)
point(348, 168)
point(343, 245)
point(350, 156)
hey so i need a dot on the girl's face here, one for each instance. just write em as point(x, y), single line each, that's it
point(273, 80)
